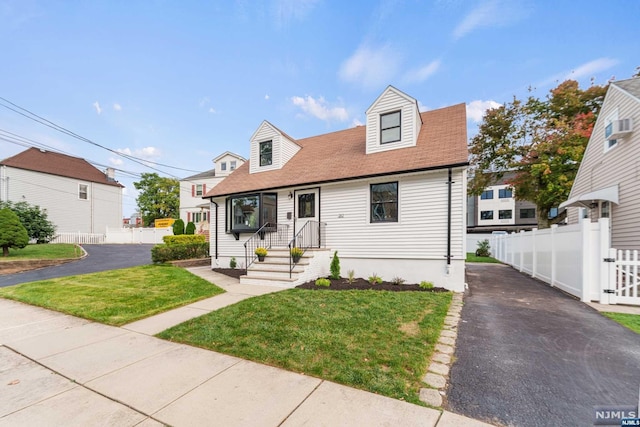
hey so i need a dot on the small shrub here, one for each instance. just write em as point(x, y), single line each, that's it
point(164, 253)
point(351, 276)
point(426, 285)
point(483, 248)
point(398, 280)
point(233, 263)
point(190, 228)
point(323, 282)
point(296, 252)
point(183, 239)
point(374, 279)
point(335, 266)
point(261, 251)
point(178, 227)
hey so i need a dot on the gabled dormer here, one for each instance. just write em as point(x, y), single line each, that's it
point(393, 121)
point(270, 148)
point(227, 162)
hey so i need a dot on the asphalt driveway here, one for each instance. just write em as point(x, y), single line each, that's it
point(100, 258)
point(529, 355)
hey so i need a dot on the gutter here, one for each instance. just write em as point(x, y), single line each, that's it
point(449, 184)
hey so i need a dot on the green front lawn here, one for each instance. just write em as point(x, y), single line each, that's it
point(378, 341)
point(44, 251)
point(471, 257)
point(631, 321)
point(116, 297)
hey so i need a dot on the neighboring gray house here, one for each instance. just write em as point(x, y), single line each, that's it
point(77, 196)
point(496, 209)
point(390, 197)
point(608, 180)
point(192, 188)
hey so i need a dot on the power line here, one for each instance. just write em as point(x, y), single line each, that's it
point(38, 119)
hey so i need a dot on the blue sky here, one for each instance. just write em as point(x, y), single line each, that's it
point(178, 83)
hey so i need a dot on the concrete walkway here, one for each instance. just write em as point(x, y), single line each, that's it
point(60, 370)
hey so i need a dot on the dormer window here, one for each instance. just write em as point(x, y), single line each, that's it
point(266, 153)
point(232, 165)
point(390, 127)
point(223, 166)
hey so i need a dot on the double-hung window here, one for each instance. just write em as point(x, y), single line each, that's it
point(384, 202)
point(198, 189)
point(266, 153)
point(390, 127)
point(505, 193)
point(83, 191)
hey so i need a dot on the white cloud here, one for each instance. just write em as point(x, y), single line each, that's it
point(371, 67)
point(116, 161)
point(422, 108)
point(117, 107)
point(287, 10)
point(147, 153)
point(204, 101)
point(212, 110)
point(421, 74)
point(320, 109)
point(491, 13)
point(591, 67)
point(476, 109)
point(96, 105)
point(356, 122)
point(266, 97)
point(587, 69)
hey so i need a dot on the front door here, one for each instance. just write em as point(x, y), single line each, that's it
point(307, 209)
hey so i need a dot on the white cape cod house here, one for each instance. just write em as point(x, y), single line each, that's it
point(390, 197)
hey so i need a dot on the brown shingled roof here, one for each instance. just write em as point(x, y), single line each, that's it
point(52, 163)
point(341, 155)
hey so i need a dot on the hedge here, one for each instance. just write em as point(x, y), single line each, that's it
point(183, 239)
point(164, 253)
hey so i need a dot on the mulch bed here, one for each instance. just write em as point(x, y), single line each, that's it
point(231, 272)
point(341, 284)
point(362, 284)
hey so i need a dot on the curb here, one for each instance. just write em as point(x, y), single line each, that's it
point(439, 367)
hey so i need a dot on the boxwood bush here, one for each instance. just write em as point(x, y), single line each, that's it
point(183, 239)
point(164, 253)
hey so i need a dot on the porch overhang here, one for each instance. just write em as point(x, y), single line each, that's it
point(609, 194)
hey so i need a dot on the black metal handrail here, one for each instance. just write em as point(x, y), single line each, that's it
point(267, 236)
point(312, 235)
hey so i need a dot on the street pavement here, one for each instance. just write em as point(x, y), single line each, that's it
point(58, 370)
point(529, 355)
point(99, 258)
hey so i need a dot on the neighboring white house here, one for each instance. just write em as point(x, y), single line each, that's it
point(77, 196)
point(608, 181)
point(390, 197)
point(192, 188)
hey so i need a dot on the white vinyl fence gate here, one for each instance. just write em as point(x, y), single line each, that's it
point(116, 235)
point(575, 258)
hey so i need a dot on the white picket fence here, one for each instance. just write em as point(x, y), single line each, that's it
point(116, 235)
point(575, 258)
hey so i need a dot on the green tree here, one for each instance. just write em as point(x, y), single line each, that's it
point(542, 141)
point(159, 197)
point(335, 266)
point(178, 227)
point(34, 219)
point(12, 232)
point(190, 228)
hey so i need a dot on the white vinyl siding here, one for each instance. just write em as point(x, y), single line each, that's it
point(421, 230)
point(282, 148)
point(621, 166)
point(390, 101)
point(59, 196)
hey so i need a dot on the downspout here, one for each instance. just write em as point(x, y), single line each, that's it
point(449, 184)
point(216, 231)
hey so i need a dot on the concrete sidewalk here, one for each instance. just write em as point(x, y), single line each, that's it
point(60, 370)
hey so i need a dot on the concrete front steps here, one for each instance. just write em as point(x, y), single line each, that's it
point(274, 270)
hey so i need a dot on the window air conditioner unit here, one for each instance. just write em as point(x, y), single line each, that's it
point(618, 128)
